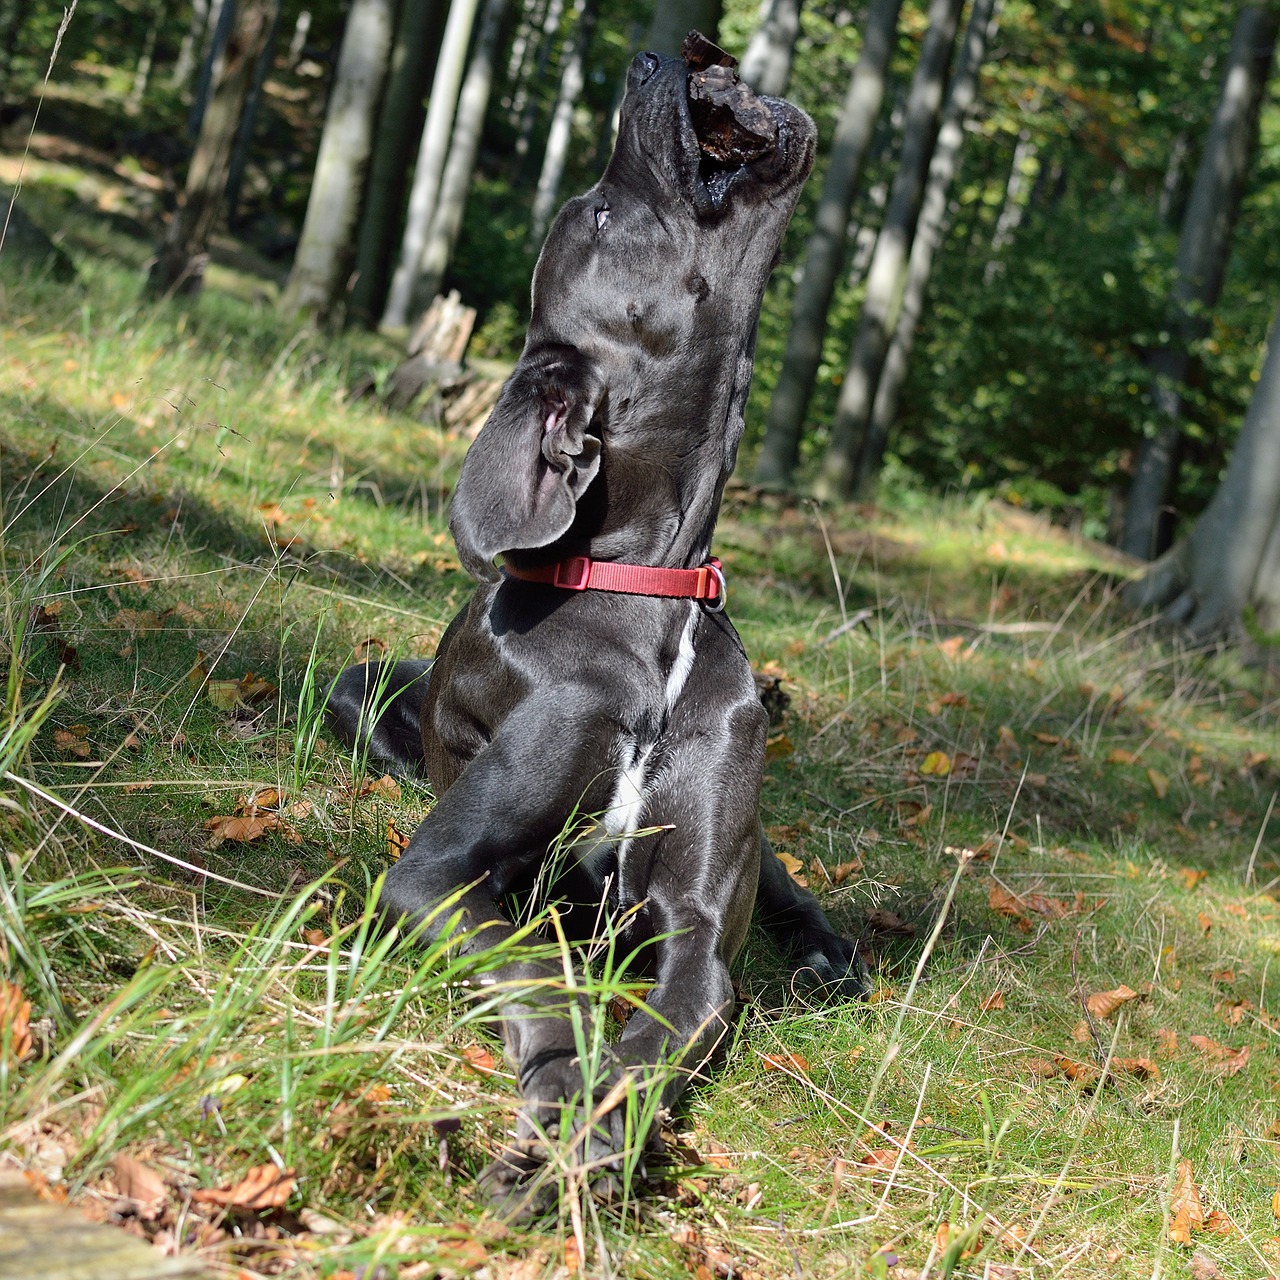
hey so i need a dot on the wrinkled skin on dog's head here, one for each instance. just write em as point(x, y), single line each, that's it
point(621, 423)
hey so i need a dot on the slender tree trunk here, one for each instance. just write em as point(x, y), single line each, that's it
point(525, 103)
point(571, 82)
point(780, 448)
point(887, 275)
point(326, 247)
point(523, 45)
point(431, 157)
point(142, 72)
point(1204, 245)
point(222, 14)
point(1231, 561)
point(188, 50)
point(673, 20)
point(248, 120)
point(961, 93)
point(1013, 206)
point(446, 223)
point(183, 255)
point(766, 65)
point(298, 41)
point(399, 122)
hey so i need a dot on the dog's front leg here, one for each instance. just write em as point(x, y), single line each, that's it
point(488, 835)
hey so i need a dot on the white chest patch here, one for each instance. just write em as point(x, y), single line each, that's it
point(626, 809)
point(684, 659)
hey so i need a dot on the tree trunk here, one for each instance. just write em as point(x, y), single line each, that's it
point(222, 15)
point(571, 82)
point(673, 20)
point(188, 50)
point(399, 122)
point(248, 119)
point(780, 448)
point(525, 103)
point(886, 278)
point(1204, 245)
point(766, 65)
point(523, 45)
point(431, 157)
point(298, 41)
point(961, 93)
point(1231, 561)
point(182, 256)
point(326, 248)
point(456, 182)
point(1012, 207)
point(142, 72)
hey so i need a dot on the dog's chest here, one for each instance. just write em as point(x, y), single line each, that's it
point(625, 814)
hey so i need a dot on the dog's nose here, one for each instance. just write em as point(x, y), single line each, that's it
point(643, 66)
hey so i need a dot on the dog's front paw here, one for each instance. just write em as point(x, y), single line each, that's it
point(830, 966)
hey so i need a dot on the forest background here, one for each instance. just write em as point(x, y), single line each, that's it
point(1033, 373)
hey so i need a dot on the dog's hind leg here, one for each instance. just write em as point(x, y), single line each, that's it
point(824, 960)
point(377, 707)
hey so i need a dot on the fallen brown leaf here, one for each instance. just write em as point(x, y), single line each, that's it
point(478, 1058)
point(785, 1062)
point(15, 1021)
point(994, 1001)
point(262, 1188)
point(243, 828)
point(1186, 1211)
point(1229, 1061)
point(1102, 1004)
point(141, 1184)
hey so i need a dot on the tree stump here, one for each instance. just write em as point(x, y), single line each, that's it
point(55, 1242)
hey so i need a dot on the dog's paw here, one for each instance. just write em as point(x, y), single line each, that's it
point(831, 967)
point(519, 1184)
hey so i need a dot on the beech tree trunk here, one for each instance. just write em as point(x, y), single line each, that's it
point(189, 48)
point(243, 147)
point(961, 93)
point(766, 65)
point(142, 72)
point(1013, 206)
point(841, 468)
point(1204, 245)
point(524, 102)
point(780, 449)
point(399, 123)
point(446, 222)
point(1230, 563)
point(557, 151)
point(326, 247)
point(431, 157)
point(183, 254)
point(217, 31)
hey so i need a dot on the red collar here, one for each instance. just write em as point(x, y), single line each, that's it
point(578, 573)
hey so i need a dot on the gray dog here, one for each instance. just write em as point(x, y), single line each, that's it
point(597, 674)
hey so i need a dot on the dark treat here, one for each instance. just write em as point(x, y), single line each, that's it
point(733, 125)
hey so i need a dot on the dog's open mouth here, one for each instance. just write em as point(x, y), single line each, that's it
point(734, 128)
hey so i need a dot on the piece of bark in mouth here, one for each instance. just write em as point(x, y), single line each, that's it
point(732, 124)
point(699, 53)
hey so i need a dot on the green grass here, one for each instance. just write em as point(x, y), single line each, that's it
point(188, 501)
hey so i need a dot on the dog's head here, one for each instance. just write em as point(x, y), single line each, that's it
point(621, 423)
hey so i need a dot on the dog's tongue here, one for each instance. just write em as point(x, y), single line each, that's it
point(732, 125)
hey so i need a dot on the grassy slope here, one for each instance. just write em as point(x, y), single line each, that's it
point(188, 492)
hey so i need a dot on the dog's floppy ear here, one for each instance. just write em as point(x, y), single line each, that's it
point(531, 462)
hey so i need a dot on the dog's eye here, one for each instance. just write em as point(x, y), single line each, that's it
point(602, 216)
